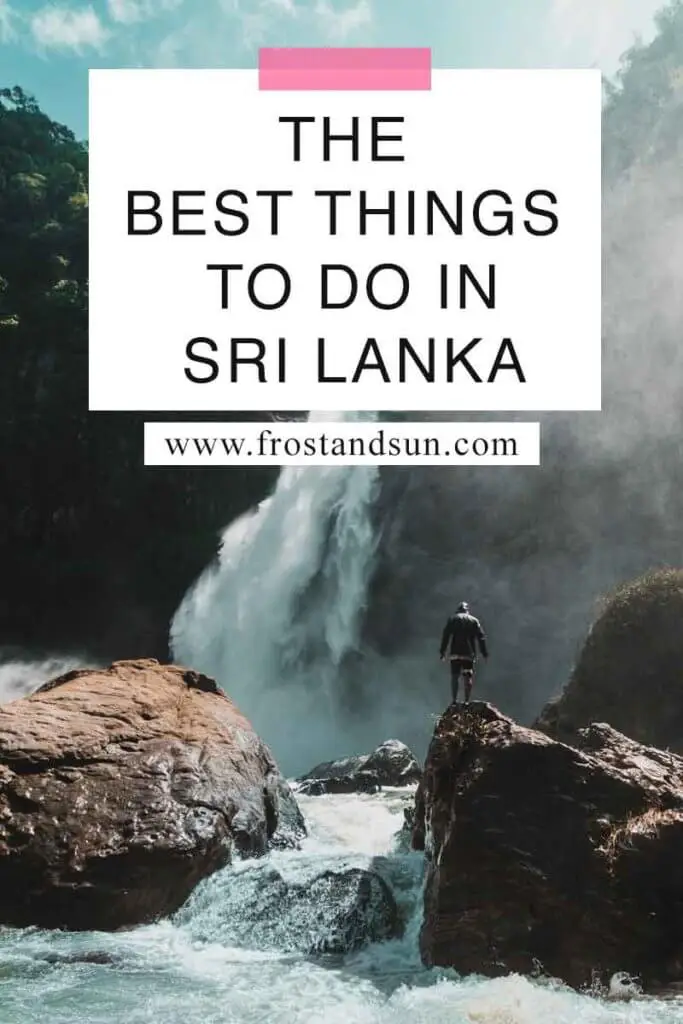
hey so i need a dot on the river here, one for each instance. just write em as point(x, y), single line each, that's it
point(204, 967)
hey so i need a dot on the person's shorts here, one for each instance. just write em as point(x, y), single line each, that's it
point(464, 665)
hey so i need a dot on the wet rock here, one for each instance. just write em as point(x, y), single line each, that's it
point(335, 911)
point(542, 854)
point(290, 825)
point(354, 907)
point(404, 837)
point(391, 764)
point(121, 789)
point(394, 763)
point(101, 959)
point(356, 782)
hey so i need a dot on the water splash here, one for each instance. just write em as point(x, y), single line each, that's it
point(168, 972)
point(274, 620)
point(19, 677)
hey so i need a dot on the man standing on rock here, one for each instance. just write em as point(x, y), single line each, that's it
point(463, 633)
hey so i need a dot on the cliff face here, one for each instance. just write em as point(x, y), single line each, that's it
point(545, 856)
point(96, 550)
point(121, 789)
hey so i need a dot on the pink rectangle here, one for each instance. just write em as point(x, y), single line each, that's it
point(345, 68)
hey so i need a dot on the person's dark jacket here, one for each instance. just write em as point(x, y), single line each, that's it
point(463, 633)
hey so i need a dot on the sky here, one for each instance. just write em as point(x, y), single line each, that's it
point(47, 48)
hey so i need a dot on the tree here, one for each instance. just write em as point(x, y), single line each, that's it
point(96, 550)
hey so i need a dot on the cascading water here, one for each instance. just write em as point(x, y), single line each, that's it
point(274, 620)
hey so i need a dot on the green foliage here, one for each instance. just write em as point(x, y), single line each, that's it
point(94, 548)
point(43, 232)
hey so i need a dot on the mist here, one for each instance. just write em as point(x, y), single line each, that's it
point(21, 674)
point(534, 550)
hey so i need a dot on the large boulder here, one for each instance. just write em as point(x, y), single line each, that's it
point(333, 911)
point(122, 788)
point(543, 856)
point(630, 668)
point(391, 764)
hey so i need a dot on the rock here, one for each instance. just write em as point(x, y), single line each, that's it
point(101, 959)
point(122, 788)
point(328, 912)
point(545, 856)
point(356, 782)
point(391, 764)
point(290, 828)
point(394, 763)
point(403, 839)
point(629, 669)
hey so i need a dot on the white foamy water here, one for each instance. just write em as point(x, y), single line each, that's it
point(202, 967)
point(20, 677)
point(275, 618)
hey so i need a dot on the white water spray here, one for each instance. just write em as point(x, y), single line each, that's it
point(206, 966)
point(19, 676)
point(274, 620)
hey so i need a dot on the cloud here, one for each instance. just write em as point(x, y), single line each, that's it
point(7, 18)
point(588, 32)
point(125, 12)
point(284, 6)
point(256, 22)
point(65, 28)
point(128, 12)
point(215, 33)
point(196, 39)
point(341, 22)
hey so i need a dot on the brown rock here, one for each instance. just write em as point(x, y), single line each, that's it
point(546, 857)
point(120, 789)
point(630, 668)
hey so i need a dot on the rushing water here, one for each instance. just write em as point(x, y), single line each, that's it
point(274, 620)
point(202, 968)
point(19, 677)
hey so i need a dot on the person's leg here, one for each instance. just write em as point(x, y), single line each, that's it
point(455, 680)
point(468, 678)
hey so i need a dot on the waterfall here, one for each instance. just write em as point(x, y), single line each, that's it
point(275, 618)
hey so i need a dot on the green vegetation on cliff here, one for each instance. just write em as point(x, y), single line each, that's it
point(96, 551)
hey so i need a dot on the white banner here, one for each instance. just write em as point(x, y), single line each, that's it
point(342, 444)
point(341, 250)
